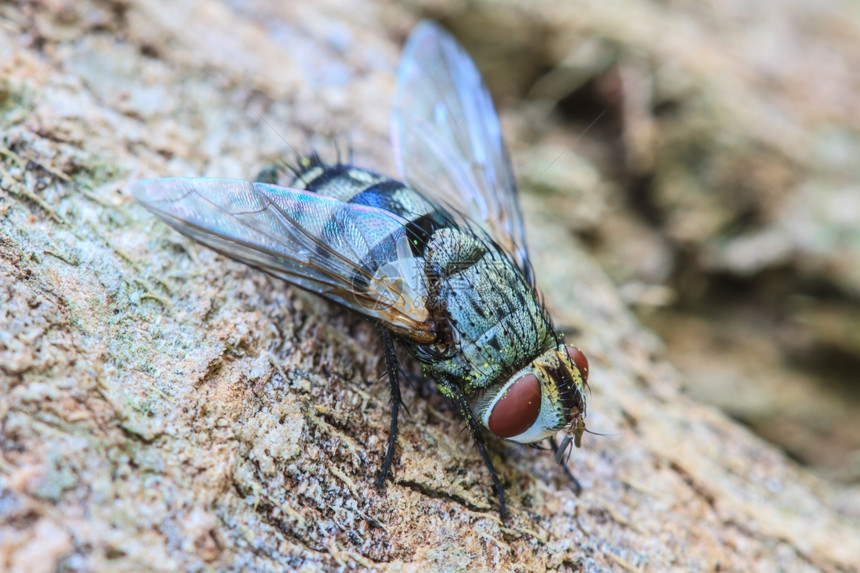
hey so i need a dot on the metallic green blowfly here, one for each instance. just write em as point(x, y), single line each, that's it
point(439, 262)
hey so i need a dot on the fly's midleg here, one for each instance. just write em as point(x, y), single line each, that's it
point(394, 385)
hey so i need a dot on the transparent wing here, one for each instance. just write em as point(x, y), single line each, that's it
point(318, 243)
point(447, 140)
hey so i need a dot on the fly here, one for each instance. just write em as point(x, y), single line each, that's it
point(439, 260)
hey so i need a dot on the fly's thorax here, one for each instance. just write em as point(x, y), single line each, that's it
point(493, 321)
point(539, 400)
point(450, 251)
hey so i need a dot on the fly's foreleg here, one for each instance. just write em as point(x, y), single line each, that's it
point(394, 386)
point(560, 458)
point(453, 391)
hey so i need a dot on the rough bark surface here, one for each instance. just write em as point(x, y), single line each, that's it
point(162, 408)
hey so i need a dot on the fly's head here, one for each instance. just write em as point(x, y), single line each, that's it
point(544, 397)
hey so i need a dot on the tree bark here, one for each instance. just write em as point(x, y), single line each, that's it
point(163, 408)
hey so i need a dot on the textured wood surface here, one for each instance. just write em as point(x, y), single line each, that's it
point(162, 408)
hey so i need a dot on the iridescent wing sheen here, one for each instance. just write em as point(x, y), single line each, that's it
point(318, 243)
point(447, 140)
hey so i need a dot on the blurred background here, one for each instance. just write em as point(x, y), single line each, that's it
point(709, 158)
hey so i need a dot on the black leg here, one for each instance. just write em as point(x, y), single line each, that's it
point(394, 385)
point(560, 458)
point(454, 392)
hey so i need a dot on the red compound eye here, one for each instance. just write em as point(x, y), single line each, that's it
point(517, 410)
point(579, 359)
